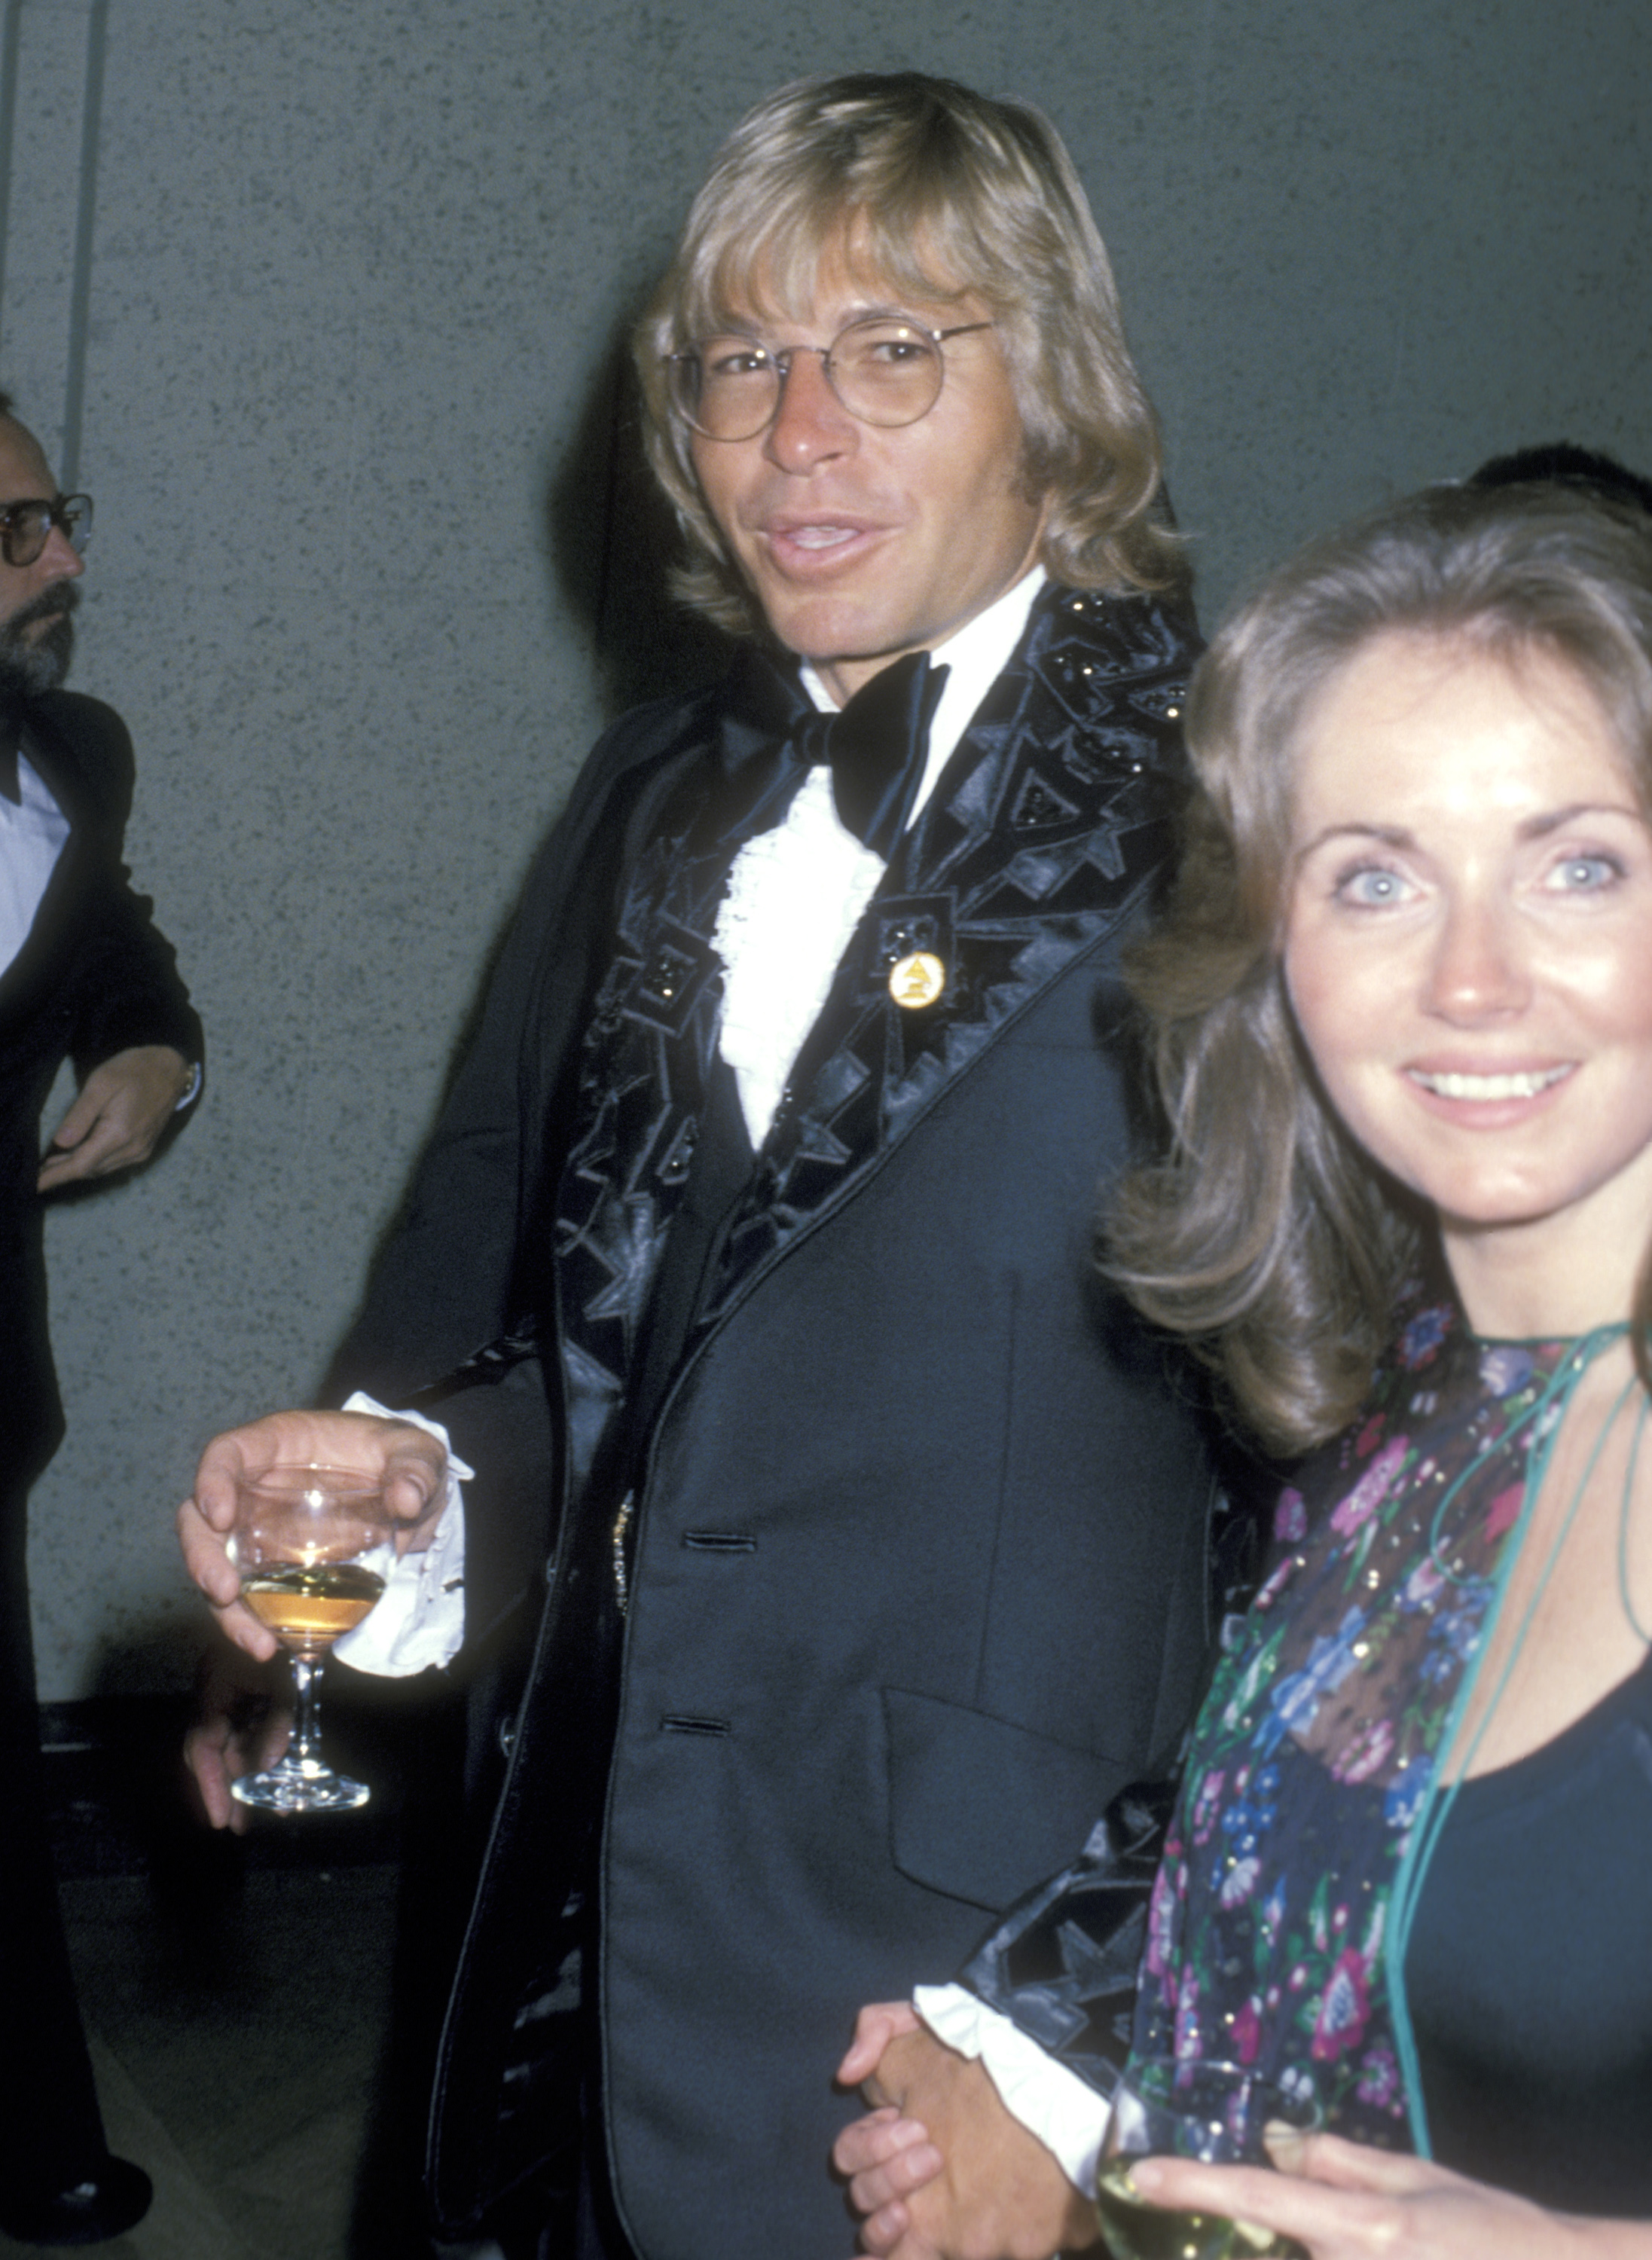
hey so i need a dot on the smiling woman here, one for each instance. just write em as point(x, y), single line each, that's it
point(1268, 1224)
point(1403, 1032)
point(1467, 940)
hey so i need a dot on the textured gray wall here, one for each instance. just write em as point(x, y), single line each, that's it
point(356, 276)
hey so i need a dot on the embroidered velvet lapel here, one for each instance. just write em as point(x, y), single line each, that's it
point(650, 1046)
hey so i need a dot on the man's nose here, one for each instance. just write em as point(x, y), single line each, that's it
point(59, 560)
point(811, 425)
point(1479, 968)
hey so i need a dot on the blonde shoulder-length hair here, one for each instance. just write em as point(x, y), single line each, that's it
point(1265, 1236)
point(939, 194)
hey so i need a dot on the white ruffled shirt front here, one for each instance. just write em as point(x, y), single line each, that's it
point(795, 894)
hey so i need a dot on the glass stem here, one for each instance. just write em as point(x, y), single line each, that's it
point(306, 1726)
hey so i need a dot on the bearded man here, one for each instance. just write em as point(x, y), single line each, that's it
point(84, 975)
point(875, 1544)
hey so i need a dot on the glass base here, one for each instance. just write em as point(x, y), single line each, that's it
point(300, 1785)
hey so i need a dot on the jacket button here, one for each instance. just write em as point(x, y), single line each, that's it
point(507, 1733)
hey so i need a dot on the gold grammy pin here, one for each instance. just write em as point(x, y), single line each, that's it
point(917, 981)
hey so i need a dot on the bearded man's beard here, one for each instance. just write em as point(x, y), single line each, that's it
point(30, 664)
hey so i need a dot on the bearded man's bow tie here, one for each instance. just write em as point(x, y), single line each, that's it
point(10, 739)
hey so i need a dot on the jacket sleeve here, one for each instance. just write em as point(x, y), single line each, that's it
point(454, 1272)
point(126, 975)
point(1062, 1965)
point(441, 1285)
point(122, 983)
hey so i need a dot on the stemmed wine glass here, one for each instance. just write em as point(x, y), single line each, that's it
point(1215, 2112)
point(313, 1547)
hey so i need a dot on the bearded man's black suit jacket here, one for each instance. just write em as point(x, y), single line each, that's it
point(910, 1524)
point(92, 978)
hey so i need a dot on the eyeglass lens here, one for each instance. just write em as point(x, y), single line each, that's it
point(883, 372)
point(25, 526)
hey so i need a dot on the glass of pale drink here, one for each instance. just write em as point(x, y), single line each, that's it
point(1188, 2109)
point(313, 1547)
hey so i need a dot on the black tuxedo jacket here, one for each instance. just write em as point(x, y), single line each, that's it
point(910, 1523)
point(94, 977)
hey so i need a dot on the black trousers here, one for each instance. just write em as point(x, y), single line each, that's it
point(51, 2132)
point(568, 2215)
point(583, 2238)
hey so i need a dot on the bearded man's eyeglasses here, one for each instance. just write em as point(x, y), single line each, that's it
point(885, 370)
point(25, 526)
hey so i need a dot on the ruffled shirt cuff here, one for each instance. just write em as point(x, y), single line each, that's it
point(1067, 2114)
point(419, 1620)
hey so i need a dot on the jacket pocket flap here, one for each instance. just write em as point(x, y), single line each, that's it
point(981, 1809)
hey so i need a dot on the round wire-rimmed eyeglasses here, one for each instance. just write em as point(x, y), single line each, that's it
point(886, 369)
point(25, 526)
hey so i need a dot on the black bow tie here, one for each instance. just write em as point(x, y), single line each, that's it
point(877, 745)
point(10, 739)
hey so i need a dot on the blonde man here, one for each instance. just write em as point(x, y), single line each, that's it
point(874, 1567)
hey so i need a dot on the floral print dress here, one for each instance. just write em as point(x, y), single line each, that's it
point(1271, 1927)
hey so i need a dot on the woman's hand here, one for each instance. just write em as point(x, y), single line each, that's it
point(1346, 2201)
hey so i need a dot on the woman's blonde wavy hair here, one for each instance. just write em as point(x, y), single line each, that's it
point(1266, 1237)
point(937, 194)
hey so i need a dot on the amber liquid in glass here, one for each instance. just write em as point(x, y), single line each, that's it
point(308, 1607)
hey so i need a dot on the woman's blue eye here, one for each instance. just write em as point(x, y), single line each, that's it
point(1582, 873)
point(1371, 889)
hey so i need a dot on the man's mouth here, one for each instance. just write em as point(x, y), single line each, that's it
point(52, 604)
point(790, 534)
point(1485, 1089)
point(819, 537)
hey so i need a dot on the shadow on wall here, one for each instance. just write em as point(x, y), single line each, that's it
point(613, 538)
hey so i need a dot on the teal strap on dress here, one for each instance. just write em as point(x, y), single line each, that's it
point(1625, 1592)
point(1435, 1808)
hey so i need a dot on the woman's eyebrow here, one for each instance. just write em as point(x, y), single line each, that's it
point(1392, 835)
point(1538, 827)
point(1533, 827)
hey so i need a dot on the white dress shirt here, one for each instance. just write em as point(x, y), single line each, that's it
point(33, 830)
